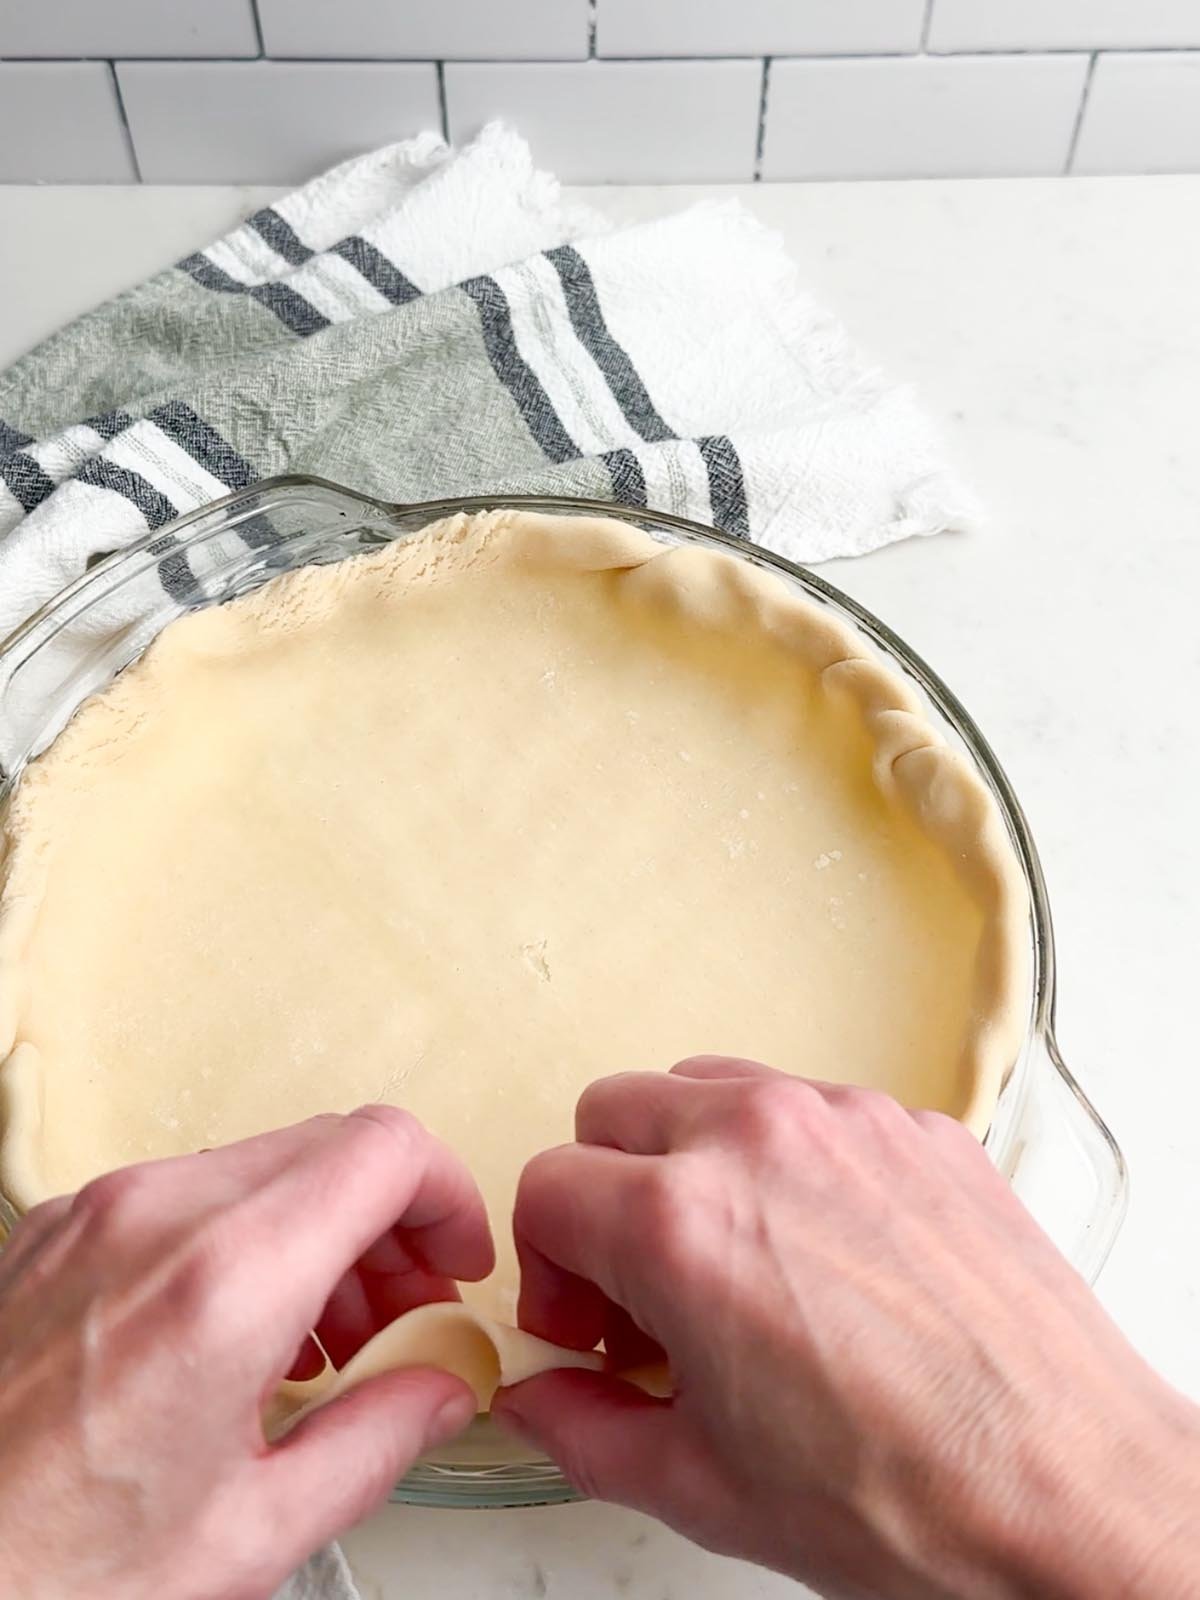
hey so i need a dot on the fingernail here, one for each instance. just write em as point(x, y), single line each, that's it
point(449, 1420)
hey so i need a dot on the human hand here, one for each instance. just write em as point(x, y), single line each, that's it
point(887, 1381)
point(145, 1320)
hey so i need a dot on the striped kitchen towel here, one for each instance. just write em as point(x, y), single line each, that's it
point(420, 323)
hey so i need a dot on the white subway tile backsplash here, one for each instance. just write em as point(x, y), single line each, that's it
point(60, 123)
point(1063, 24)
point(921, 117)
point(426, 29)
point(1142, 115)
point(268, 121)
point(606, 90)
point(756, 27)
point(127, 28)
point(619, 121)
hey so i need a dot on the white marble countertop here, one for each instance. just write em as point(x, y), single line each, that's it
point(1051, 324)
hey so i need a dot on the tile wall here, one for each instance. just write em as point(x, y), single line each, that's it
point(211, 91)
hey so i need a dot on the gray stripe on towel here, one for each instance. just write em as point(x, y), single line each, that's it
point(522, 383)
point(25, 480)
point(203, 443)
point(375, 267)
point(292, 309)
point(216, 455)
point(628, 479)
point(726, 485)
point(280, 235)
point(174, 572)
point(622, 377)
point(11, 439)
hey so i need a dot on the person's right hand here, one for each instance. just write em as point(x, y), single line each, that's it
point(887, 1381)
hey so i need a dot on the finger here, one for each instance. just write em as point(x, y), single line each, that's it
point(390, 1296)
point(737, 1071)
point(612, 1442)
point(397, 1253)
point(363, 1302)
point(643, 1113)
point(652, 1113)
point(346, 1322)
point(247, 1163)
point(626, 1347)
point(212, 1178)
point(344, 1458)
point(724, 1067)
point(559, 1305)
point(375, 1170)
point(962, 1155)
point(655, 1113)
point(572, 1227)
point(950, 1135)
point(309, 1361)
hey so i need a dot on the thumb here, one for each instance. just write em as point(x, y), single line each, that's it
point(344, 1458)
point(613, 1442)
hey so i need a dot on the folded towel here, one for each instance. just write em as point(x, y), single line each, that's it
point(419, 323)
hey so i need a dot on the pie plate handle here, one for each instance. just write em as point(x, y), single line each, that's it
point(1065, 1165)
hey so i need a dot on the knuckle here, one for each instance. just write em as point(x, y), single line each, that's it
point(30, 1223)
point(953, 1139)
point(400, 1125)
point(591, 1103)
point(868, 1114)
point(770, 1111)
point(666, 1203)
point(546, 1174)
point(880, 1111)
point(699, 1065)
point(605, 1099)
point(199, 1277)
point(114, 1198)
point(938, 1125)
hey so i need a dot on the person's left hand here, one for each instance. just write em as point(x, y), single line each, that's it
point(145, 1320)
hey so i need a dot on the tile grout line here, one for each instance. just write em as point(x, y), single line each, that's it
point(591, 28)
point(926, 25)
point(761, 133)
point(442, 107)
point(258, 33)
point(1006, 53)
point(1081, 113)
point(126, 129)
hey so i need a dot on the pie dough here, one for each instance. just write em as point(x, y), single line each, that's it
point(483, 1353)
point(471, 821)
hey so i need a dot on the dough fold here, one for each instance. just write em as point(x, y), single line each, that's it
point(485, 1354)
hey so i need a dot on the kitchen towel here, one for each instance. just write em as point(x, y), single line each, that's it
point(420, 323)
point(325, 1577)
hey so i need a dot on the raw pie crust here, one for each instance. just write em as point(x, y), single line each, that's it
point(467, 823)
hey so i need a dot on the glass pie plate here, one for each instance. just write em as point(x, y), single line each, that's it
point(1045, 1137)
